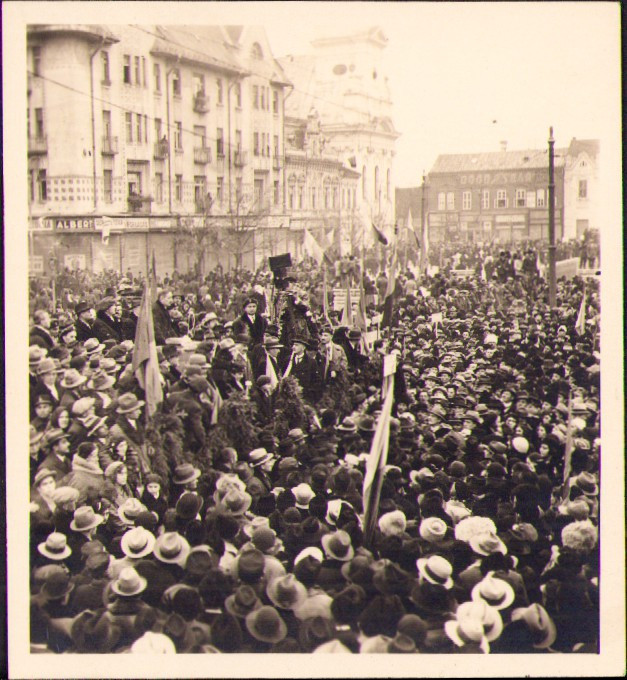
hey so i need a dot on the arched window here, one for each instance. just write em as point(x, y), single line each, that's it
point(256, 52)
point(363, 182)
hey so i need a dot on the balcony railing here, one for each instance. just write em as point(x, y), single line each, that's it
point(38, 145)
point(161, 150)
point(202, 155)
point(240, 158)
point(109, 146)
point(201, 104)
point(139, 204)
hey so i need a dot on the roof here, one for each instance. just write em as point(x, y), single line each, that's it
point(497, 160)
point(92, 31)
point(199, 44)
point(589, 146)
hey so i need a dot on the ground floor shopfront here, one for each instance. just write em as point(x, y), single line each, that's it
point(128, 243)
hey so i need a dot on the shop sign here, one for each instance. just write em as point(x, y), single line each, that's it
point(35, 265)
point(70, 223)
point(74, 261)
point(41, 224)
point(162, 223)
point(137, 223)
point(487, 179)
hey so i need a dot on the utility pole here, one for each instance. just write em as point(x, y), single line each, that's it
point(552, 280)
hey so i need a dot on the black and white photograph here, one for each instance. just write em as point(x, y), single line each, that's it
point(313, 322)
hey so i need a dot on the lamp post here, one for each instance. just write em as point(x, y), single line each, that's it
point(552, 278)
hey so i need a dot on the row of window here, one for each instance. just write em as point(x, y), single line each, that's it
point(522, 199)
point(377, 183)
point(327, 198)
point(261, 98)
point(261, 144)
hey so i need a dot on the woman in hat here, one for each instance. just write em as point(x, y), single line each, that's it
point(116, 489)
point(87, 477)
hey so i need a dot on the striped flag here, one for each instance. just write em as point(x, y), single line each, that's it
point(145, 362)
point(580, 324)
point(375, 466)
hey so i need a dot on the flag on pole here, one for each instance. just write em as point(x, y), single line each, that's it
point(312, 248)
point(105, 230)
point(145, 362)
point(325, 299)
point(568, 448)
point(580, 324)
point(375, 466)
point(381, 237)
point(410, 226)
point(347, 312)
point(388, 305)
point(153, 279)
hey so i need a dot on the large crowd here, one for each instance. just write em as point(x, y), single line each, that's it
point(230, 519)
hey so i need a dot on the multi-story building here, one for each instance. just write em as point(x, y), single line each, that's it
point(321, 192)
point(136, 130)
point(503, 196)
point(498, 196)
point(343, 80)
point(581, 188)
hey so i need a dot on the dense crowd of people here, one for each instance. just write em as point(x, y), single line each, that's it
point(231, 518)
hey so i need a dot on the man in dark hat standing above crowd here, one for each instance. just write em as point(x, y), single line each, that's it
point(251, 322)
point(164, 327)
point(84, 323)
point(105, 326)
point(302, 367)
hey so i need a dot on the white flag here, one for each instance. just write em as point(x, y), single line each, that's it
point(312, 248)
point(106, 229)
point(580, 325)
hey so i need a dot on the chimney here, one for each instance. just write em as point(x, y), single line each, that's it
point(503, 145)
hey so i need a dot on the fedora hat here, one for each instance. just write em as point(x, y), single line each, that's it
point(486, 543)
point(393, 523)
point(265, 539)
point(303, 494)
point(235, 502)
point(129, 583)
point(258, 457)
point(482, 611)
point(286, 592)
point(433, 529)
point(266, 625)
point(338, 546)
point(46, 366)
point(242, 602)
point(93, 346)
point(43, 473)
point(95, 633)
point(436, 570)
point(171, 548)
point(72, 379)
point(272, 343)
point(367, 424)
point(101, 381)
point(348, 604)
point(35, 355)
point(318, 603)
point(255, 523)
point(539, 623)
point(55, 547)
point(587, 483)
point(57, 584)
point(467, 631)
point(85, 519)
point(495, 591)
point(188, 505)
point(128, 402)
point(249, 565)
point(185, 473)
point(347, 425)
point(129, 510)
point(315, 631)
point(137, 542)
point(82, 405)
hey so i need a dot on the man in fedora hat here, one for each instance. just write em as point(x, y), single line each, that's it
point(303, 368)
point(105, 326)
point(86, 315)
point(57, 459)
point(128, 425)
point(163, 324)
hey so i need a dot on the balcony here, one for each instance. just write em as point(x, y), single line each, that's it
point(202, 155)
point(201, 103)
point(240, 158)
point(38, 145)
point(109, 146)
point(139, 204)
point(161, 150)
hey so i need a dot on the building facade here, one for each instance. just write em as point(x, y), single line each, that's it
point(133, 131)
point(343, 80)
point(503, 196)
